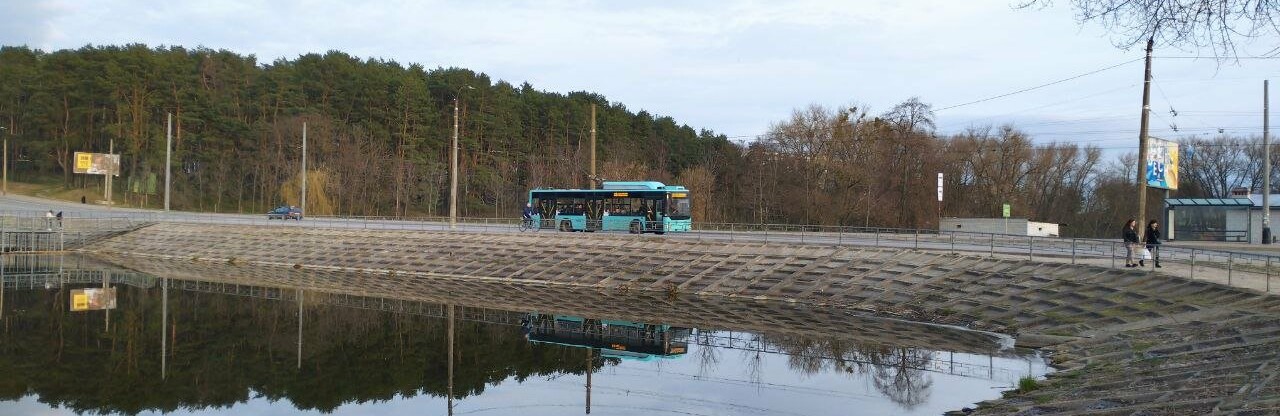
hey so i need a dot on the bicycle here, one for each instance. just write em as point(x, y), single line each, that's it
point(528, 224)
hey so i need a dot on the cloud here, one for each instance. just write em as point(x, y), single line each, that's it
point(28, 23)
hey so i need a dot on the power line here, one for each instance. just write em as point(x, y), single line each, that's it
point(1039, 86)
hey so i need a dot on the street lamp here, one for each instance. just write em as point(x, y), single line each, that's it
point(453, 167)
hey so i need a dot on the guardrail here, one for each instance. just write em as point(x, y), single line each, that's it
point(1234, 268)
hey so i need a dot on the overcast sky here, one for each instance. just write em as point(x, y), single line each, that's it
point(734, 67)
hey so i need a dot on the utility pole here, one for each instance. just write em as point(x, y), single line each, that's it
point(1266, 167)
point(302, 210)
point(592, 179)
point(1142, 145)
point(168, 154)
point(111, 152)
point(453, 168)
point(5, 189)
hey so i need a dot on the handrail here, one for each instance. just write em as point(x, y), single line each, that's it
point(1236, 268)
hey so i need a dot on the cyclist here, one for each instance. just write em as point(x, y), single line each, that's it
point(528, 213)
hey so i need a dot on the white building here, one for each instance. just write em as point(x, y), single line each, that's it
point(1017, 226)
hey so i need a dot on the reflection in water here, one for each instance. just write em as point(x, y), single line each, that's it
point(222, 345)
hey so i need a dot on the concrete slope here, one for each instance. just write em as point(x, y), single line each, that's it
point(1133, 342)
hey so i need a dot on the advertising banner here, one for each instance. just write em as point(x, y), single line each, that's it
point(93, 299)
point(1162, 164)
point(96, 164)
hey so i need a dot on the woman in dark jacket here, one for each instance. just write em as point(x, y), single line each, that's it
point(1130, 241)
point(1153, 242)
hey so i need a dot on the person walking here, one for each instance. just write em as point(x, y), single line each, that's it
point(48, 220)
point(1153, 243)
point(1131, 241)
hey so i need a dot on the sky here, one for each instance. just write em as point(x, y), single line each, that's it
point(735, 67)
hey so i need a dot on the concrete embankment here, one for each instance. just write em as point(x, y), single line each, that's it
point(1131, 342)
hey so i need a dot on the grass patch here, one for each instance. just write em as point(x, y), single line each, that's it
point(1141, 346)
point(1027, 385)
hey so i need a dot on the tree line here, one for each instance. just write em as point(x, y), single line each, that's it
point(379, 136)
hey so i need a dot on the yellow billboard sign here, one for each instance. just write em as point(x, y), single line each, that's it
point(93, 299)
point(96, 164)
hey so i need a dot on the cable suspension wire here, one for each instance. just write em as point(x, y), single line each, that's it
point(1040, 86)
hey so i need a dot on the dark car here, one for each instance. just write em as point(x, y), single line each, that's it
point(285, 213)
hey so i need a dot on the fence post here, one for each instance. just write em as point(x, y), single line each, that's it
point(1193, 264)
point(1073, 251)
point(877, 229)
point(1230, 259)
point(953, 243)
point(1031, 247)
point(993, 245)
point(840, 236)
point(1113, 255)
point(917, 239)
point(1268, 274)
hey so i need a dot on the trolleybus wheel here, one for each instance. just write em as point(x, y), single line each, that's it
point(635, 227)
point(566, 226)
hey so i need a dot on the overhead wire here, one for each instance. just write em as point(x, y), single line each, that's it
point(1011, 93)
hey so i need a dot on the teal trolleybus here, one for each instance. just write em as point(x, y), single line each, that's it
point(637, 207)
point(612, 338)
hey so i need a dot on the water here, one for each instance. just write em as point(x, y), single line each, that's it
point(199, 345)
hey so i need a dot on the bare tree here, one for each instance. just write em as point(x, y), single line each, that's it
point(1215, 24)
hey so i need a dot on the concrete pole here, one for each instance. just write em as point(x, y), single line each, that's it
point(168, 157)
point(1266, 167)
point(1142, 145)
point(592, 179)
point(111, 151)
point(303, 208)
point(453, 168)
point(5, 189)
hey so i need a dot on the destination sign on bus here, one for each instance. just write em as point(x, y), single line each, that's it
point(679, 195)
point(620, 194)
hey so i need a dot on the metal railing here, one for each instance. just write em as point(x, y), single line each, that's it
point(1234, 268)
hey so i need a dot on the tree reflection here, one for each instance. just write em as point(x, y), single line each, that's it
point(899, 376)
point(226, 350)
point(897, 372)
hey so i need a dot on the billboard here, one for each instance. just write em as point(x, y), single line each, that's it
point(94, 299)
point(1162, 164)
point(97, 164)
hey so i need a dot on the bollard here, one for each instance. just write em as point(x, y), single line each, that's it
point(1113, 256)
point(1073, 251)
point(917, 239)
point(1268, 274)
point(993, 245)
point(1031, 244)
point(953, 243)
point(877, 237)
